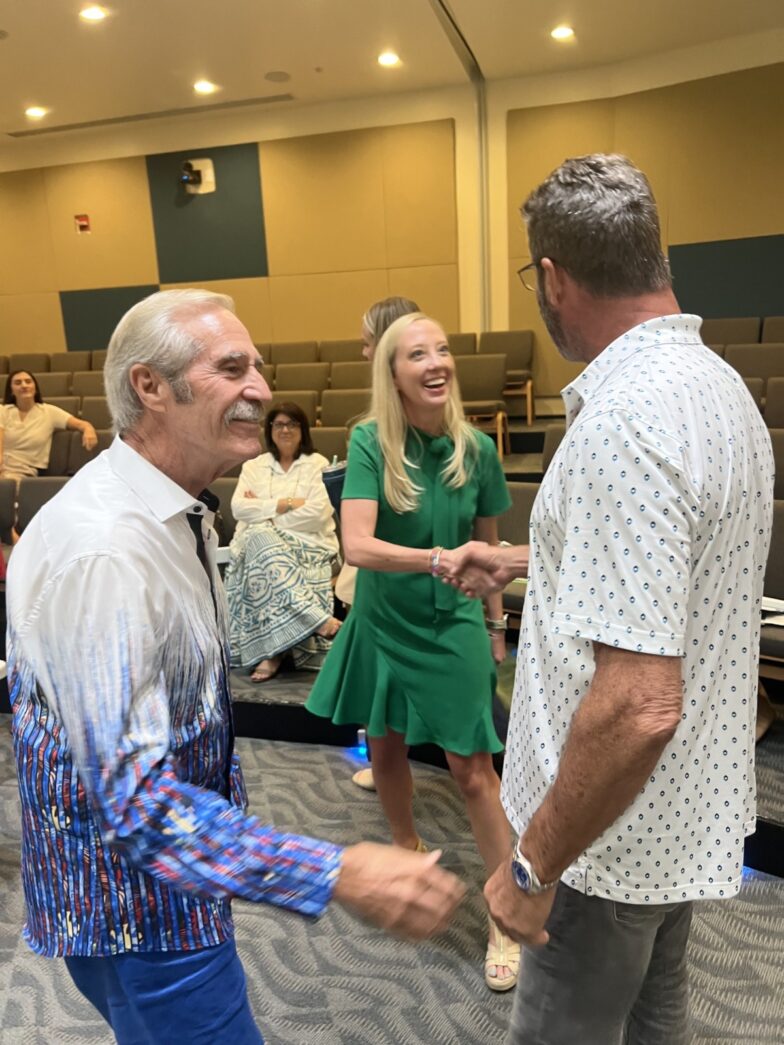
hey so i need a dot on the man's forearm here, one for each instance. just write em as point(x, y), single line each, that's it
point(614, 743)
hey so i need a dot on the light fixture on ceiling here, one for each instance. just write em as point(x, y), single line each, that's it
point(562, 33)
point(36, 112)
point(388, 59)
point(205, 87)
point(93, 13)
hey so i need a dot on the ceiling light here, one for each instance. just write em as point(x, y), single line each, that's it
point(388, 59)
point(205, 87)
point(93, 13)
point(562, 32)
point(36, 112)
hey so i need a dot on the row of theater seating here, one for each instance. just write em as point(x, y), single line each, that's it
point(333, 364)
point(742, 330)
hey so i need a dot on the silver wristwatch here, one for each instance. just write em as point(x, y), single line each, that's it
point(525, 877)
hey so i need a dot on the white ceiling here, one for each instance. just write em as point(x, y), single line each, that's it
point(145, 57)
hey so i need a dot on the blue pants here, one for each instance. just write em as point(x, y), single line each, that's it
point(198, 997)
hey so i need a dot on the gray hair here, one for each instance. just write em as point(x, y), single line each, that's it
point(596, 217)
point(153, 333)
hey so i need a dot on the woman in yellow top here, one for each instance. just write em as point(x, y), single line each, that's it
point(27, 425)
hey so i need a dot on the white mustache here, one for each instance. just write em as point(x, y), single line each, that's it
point(242, 410)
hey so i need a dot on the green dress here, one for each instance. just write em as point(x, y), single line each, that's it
point(413, 655)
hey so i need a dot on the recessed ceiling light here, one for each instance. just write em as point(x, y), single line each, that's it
point(562, 32)
point(388, 59)
point(36, 112)
point(93, 13)
point(205, 87)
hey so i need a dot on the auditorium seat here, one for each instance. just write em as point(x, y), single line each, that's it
point(777, 442)
point(743, 330)
point(98, 359)
point(313, 376)
point(513, 528)
point(34, 492)
point(87, 383)
point(95, 409)
point(757, 388)
point(223, 489)
point(462, 344)
point(718, 349)
point(3, 364)
point(351, 375)
point(33, 362)
point(292, 352)
point(774, 402)
point(339, 406)
point(753, 360)
point(772, 636)
point(330, 442)
point(54, 385)
point(552, 439)
point(78, 456)
point(67, 362)
point(518, 347)
point(7, 512)
point(306, 400)
point(772, 329)
point(68, 403)
point(342, 351)
point(482, 381)
point(60, 451)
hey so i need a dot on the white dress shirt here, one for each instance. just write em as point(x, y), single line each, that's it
point(314, 522)
point(650, 532)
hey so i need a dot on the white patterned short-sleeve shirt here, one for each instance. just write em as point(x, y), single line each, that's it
point(650, 532)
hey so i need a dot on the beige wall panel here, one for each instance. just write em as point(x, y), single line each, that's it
point(551, 371)
point(120, 248)
point(324, 203)
point(31, 323)
point(419, 194)
point(539, 140)
point(435, 290)
point(643, 132)
point(26, 259)
point(323, 306)
point(251, 298)
point(727, 156)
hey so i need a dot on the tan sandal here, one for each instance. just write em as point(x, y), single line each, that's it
point(501, 951)
point(266, 670)
point(364, 778)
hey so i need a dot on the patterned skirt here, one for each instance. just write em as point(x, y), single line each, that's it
point(279, 592)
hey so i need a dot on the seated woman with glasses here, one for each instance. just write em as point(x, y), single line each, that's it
point(278, 580)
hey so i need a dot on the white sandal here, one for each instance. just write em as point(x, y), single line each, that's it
point(501, 951)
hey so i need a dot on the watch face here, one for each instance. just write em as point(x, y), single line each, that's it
point(522, 877)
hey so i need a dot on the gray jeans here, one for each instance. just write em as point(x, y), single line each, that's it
point(611, 974)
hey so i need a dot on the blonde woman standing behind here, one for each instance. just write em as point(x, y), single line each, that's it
point(414, 660)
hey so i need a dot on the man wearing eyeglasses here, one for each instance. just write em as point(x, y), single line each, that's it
point(629, 767)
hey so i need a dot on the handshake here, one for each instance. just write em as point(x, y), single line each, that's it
point(479, 569)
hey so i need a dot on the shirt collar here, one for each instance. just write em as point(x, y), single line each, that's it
point(160, 494)
point(677, 329)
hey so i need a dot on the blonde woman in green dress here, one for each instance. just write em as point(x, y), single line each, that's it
point(415, 660)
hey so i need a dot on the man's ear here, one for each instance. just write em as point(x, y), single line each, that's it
point(554, 279)
point(153, 391)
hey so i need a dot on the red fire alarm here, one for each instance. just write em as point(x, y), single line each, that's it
point(82, 222)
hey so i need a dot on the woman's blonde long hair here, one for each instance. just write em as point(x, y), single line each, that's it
point(386, 409)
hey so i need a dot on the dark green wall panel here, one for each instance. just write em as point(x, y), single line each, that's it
point(736, 277)
point(219, 235)
point(90, 316)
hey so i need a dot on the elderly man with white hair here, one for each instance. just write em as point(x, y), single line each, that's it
point(135, 834)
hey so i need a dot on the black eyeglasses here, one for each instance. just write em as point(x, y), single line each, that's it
point(283, 426)
point(528, 281)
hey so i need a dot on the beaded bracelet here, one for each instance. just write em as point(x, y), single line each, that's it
point(435, 558)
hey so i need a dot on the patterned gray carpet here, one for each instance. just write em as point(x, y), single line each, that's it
point(337, 982)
